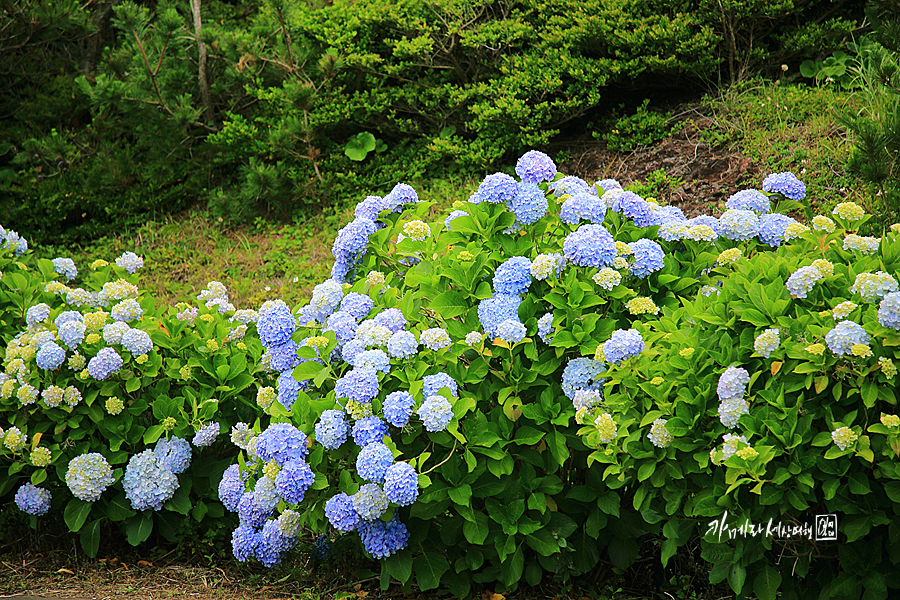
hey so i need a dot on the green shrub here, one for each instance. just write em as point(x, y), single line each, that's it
point(100, 370)
point(643, 128)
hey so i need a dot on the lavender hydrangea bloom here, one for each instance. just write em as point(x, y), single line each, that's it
point(369, 208)
point(511, 331)
point(545, 327)
point(231, 487)
point(357, 305)
point(65, 267)
point(739, 225)
point(401, 194)
point(381, 539)
point(749, 200)
point(284, 357)
point(252, 512)
point(581, 373)
point(71, 333)
point(372, 359)
point(293, 480)
point(453, 215)
point(276, 325)
point(104, 364)
point(535, 167)
point(402, 345)
point(33, 500)
point(130, 261)
point(392, 318)
point(245, 541)
point(648, 257)
point(206, 435)
point(358, 384)
point(343, 324)
point(844, 336)
point(37, 314)
point(341, 514)
point(288, 389)
point(590, 246)
point(373, 460)
point(513, 276)
point(397, 408)
point(173, 454)
point(785, 184)
point(529, 204)
point(889, 311)
point(332, 429)
point(732, 383)
point(635, 208)
point(50, 356)
point(771, 228)
point(711, 222)
point(88, 476)
point(608, 184)
point(432, 384)
point(401, 483)
point(281, 442)
point(497, 188)
point(351, 349)
point(498, 308)
point(137, 341)
point(582, 206)
point(623, 344)
point(569, 185)
point(351, 241)
point(148, 485)
point(369, 430)
point(436, 413)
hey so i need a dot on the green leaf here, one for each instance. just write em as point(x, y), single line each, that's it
point(476, 532)
point(119, 508)
point(132, 384)
point(76, 513)
point(179, 502)
point(449, 304)
point(736, 577)
point(200, 510)
point(542, 542)
point(766, 584)
point(139, 528)
point(461, 494)
point(528, 436)
point(359, 146)
point(90, 539)
point(400, 565)
point(429, 567)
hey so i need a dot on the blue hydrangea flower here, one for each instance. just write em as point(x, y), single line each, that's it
point(148, 485)
point(432, 384)
point(401, 483)
point(732, 383)
point(436, 413)
point(104, 364)
point(372, 359)
point(513, 276)
point(293, 480)
point(511, 331)
point(252, 512)
point(498, 308)
point(802, 281)
point(71, 333)
point(635, 208)
point(771, 228)
point(127, 310)
point(373, 460)
point(270, 540)
point(357, 384)
point(173, 454)
point(276, 538)
point(545, 327)
point(50, 356)
point(785, 184)
point(369, 208)
point(332, 429)
point(244, 542)
point(357, 305)
point(370, 502)
point(343, 324)
point(582, 206)
point(623, 344)
point(281, 442)
point(666, 214)
point(453, 215)
point(889, 311)
point(67, 316)
point(130, 261)
point(33, 500)
point(569, 185)
point(65, 267)
point(731, 409)
point(580, 373)
point(351, 241)
point(88, 476)
point(435, 338)
point(529, 204)
point(590, 246)
point(749, 200)
point(137, 341)
point(341, 514)
point(648, 257)
point(608, 184)
point(535, 167)
point(265, 494)
point(397, 407)
point(382, 540)
point(402, 345)
point(711, 222)
point(401, 194)
point(206, 435)
point(112, 333)
point(276, 325)
point(37, 314)
point(844, 336)
point(231, 487)
point(369, 430)
point(326, 297)
point(391, 318)
point(288, 389)
point(497, 188)
point(284, 357)
point(739, 225)
point(351, 349)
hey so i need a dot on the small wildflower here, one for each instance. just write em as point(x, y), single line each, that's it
point(686, 352)
point(843, 437)
point(114, 406)
point(465, 256)
point(417, 230)
point(168, 424)
point(843, 310)
point(659, 435)
point(185, 372)
point(317, 341)
point(641, 306)
point(890, 421)
point(861, 350)
point(375, 278)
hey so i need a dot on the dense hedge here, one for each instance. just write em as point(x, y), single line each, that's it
point(108, 121)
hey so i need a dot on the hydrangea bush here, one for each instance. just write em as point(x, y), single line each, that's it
point(770, 395)
point(442, 376)
point(107, 399)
